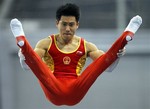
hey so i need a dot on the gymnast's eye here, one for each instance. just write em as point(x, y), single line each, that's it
point(71, 24)
point(64, 24)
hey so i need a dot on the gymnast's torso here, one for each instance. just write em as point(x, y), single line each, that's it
point(66, 60)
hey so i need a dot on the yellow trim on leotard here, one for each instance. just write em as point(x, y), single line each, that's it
point(81, 62)
point(47, 59)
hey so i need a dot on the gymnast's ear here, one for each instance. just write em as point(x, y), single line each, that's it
point(57, 22)
point(77, 25)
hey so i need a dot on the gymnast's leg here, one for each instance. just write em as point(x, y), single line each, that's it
point(91, 73)
point(49, 83)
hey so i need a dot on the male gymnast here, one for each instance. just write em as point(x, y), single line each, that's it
point(57, 60)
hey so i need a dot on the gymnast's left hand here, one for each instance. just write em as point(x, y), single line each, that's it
point(121, 52)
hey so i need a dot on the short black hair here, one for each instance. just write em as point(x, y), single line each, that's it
point(68, 9)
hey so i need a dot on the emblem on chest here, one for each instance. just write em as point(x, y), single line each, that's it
point(66, 60)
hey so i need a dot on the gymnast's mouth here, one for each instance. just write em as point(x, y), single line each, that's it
point(67, 34)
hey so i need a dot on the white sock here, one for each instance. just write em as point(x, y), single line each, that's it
point(16, 28)
point(134, 24)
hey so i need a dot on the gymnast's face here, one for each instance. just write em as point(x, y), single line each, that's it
point(67, 27)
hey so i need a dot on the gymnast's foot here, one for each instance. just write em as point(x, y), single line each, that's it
point(17, 30)
point(133, 26)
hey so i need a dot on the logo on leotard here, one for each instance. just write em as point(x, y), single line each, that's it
point(66, 60)
point(79, 53)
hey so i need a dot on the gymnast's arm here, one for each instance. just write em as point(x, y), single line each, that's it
point(93, 52)
point(40, 48)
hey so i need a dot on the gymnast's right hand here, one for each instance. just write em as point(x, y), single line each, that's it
point(22, 61)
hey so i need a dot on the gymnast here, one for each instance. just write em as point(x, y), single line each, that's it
point(58, 59)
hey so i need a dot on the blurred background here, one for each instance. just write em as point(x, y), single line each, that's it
point(102, 22)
